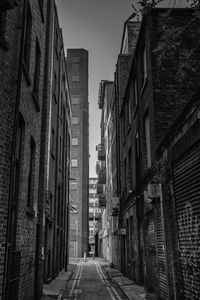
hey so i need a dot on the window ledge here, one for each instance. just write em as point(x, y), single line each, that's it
point(56, 50)
point(143, 86)
point(52, 155)
point(134, 112)
point(36, 101)
point(26, 74)
point(30, 211)
point(4, 44)
point(55, 98)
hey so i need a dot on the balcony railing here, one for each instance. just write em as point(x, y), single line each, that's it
point(102, 176)
point(101, 153)
point(101, 94)
point(101, 172)
point(102, 200)
point(100, 189)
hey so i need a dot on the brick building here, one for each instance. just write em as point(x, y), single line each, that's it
point(157, 109)
point(56, 142)
point(77, 63)
point(25, 50)
point(94, 217)
point(104, 102)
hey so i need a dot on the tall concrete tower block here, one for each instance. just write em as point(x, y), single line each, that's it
point(77, 64)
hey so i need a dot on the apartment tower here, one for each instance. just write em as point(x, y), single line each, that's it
point(77, 63)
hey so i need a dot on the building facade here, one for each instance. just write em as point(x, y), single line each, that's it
point(56, 141)
point(103, 190)
point(157, 109)
point(25, 61)
point(77, 63)
point(94, 217)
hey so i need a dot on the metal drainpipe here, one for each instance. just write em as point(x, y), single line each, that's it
point(118, 161)
point(15, 128)
point(44, 125)
point(138, 199)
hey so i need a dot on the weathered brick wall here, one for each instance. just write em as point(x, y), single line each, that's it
point(26, 228)
point(80, 152)
point(8, 75)
point(30, 234)
point(172, 85)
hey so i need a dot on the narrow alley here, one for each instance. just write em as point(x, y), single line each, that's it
point(99, 150)
point(90, 281)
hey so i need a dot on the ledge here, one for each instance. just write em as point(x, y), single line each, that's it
point(26, 74)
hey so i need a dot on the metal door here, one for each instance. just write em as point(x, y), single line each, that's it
point(186, 173)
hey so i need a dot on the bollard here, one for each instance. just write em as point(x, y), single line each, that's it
point(85, 257)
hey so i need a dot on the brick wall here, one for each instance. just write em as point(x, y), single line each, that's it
point(77, 62)
point(8, 75)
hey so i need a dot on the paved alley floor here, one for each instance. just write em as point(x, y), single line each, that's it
point(91, 282)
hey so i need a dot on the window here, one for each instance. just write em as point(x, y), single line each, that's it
point(129, 111)
point(75, 100)
point(74, 163)
point(135, 92)
point(36, 83)
point(2, 24)
point(58, 205)
point(31, 176)
point(16, 179)
point(74, 120)
point(41, 2)
point(137, 149)
point(129, 169)
point(61, 106)
point(73, 208)
point(74, 141)
point(53, 142)
point(49, 206)
point(75, 78)
point(41, 7)
point(132, 97)
point(143, 66)
point(125, 179)
point(60, 154)
point(27, 43)
point(75, 59)
point(73, 186)
point(56, 42)
point(55, 87)
point(147, 139)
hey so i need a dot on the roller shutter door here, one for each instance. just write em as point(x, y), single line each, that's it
point(186, 173)
point(163, 284)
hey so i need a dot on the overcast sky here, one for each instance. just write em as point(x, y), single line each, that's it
point(97, 26)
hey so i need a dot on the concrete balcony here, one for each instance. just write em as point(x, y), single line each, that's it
point(101, 152)
point(102, 200)
point(101, 172)
point(100, 189)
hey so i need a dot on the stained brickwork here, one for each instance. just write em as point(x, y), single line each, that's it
point(8, 74)
point(26, 97)
point(149, 100)
point(77, 62)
